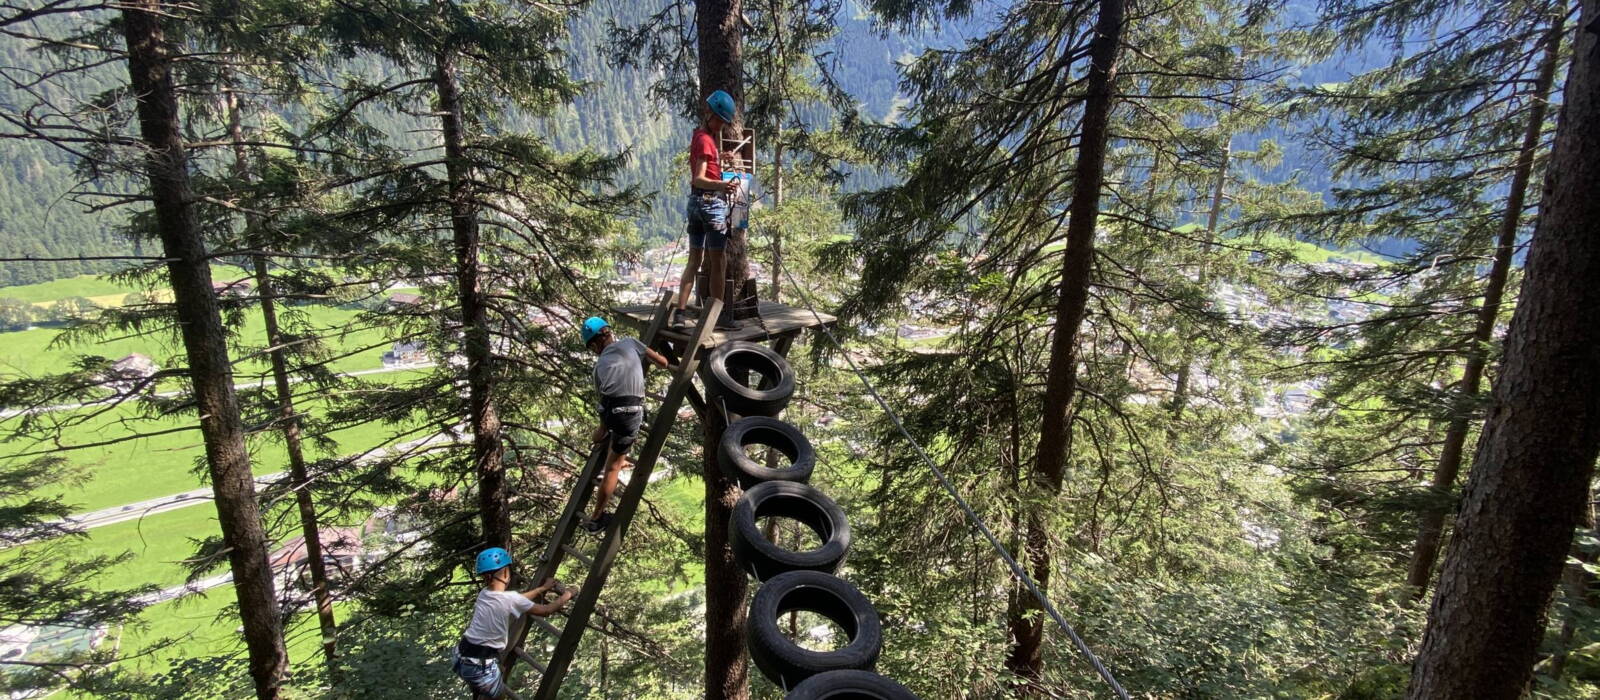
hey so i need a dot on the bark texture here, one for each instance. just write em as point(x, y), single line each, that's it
point(727, 660)
point(1430, 528)
point(488, 447)
point(205, 343)
point(1530, 477)
point(1026, 618)
point(719, 28)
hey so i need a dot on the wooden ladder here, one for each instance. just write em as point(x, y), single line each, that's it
point(564, 541)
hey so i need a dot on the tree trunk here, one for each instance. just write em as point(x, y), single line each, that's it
point(781, 91)
point(1430, 529)
point(1027, 618)
point(1526, 490)
point(1180, 389)
point(288, 420)
point(777, 229)
point(727, 662)
point(719, 33)
point(719, 27)
point(205, 343)
point(289, 424)
point(488, 449)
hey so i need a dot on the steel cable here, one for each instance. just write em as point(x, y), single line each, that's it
point(972, 515)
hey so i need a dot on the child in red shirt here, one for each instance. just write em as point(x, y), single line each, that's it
point(707, 211)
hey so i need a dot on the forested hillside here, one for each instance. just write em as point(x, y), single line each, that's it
point(39, 217)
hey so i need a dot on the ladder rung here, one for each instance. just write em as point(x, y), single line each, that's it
point(545, 625)
point(580, 556)
point(522, 654)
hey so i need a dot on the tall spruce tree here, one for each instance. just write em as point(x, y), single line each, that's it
point(1015, 174)
point(523, 218)
point(1441, 145)
point(149, 60)
point(1531, 474)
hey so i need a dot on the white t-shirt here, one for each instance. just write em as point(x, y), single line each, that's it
point(491, 617)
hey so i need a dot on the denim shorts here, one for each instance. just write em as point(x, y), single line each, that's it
point(708, 221)
point(481, 675)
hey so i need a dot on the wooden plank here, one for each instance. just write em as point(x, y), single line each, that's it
point(548, 628)
point(575, 554)
point(659, 320)
point(782, 343)
point(523, 654)
point(777, 320)
point(572, 514)
point(611, 544)
point(697, 401)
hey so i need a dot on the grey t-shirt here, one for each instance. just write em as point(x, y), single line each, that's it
point(618, 372)
point(491, 617)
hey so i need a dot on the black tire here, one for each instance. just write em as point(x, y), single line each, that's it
point(774, 433)
point(765, 560)
point(727, 368)
point(788, 664)
point(850, 685)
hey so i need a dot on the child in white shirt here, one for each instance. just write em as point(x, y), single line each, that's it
point(477, 658)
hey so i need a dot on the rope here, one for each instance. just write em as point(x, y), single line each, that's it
point(666, 269)
point(1000, 549)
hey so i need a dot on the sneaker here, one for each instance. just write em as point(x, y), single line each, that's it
point(727, 323)
point(680, 318)
point(595, 527)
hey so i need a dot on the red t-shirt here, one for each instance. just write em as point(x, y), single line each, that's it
point(702, 146)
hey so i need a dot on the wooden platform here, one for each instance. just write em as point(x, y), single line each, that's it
point(777, 321)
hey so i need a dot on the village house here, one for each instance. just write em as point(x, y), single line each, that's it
point(406, 353)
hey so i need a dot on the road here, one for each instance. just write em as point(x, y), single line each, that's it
point(176, 592)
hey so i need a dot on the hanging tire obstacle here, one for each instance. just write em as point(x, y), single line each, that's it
point(727, 371)
point(788, 663)
point(762, 558)
point(768, 432)
point(849, 685)
point(793, 581)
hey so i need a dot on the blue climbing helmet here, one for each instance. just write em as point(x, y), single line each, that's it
point(721, 104)
point(492, 559)
point(592, 327)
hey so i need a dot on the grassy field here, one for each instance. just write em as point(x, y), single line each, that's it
point(35, 352)
point(96, 287)
point(158, 543)
point(160, 465)
point(165, 464)
point(200, 625)
point(80, 286)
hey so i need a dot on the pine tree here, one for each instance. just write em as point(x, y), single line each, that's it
point(1003, 138)
point(1442, 143)
point(150, 73)
point(1531, 474)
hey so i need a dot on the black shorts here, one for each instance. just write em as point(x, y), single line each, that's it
point(622, 426)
